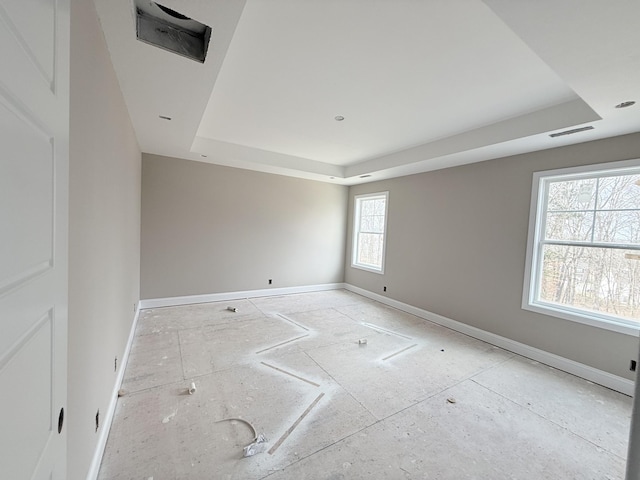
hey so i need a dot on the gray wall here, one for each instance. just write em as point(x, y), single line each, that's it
point(211, 229)
point(104, 234)
point(457, 244)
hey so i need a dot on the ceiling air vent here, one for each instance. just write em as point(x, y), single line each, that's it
point(170, 30)
point(571, 132)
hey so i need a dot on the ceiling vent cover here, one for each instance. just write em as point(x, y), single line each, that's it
point(571, 132)
point(167, 29)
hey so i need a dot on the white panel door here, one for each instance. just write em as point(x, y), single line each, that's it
point(34, 163)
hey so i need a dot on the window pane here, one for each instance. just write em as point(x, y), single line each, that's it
point(619, 192)
point(378, 224)
point(372, 224)
point(370, 249)
point(379, 206)
point(618, 227)
point(597, 279)
point(368, 207)
point(366, 223)
point(569, 226)
point(572, 195)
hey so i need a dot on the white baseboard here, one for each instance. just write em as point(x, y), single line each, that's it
point(221, 297)
point(108, 418)
point(594, 375)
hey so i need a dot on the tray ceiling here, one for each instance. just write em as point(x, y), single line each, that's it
point(420, 85)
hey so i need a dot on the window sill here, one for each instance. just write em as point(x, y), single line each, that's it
point(584, 318)
point(368, 269)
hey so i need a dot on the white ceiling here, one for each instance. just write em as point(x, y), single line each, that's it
point(422, 84)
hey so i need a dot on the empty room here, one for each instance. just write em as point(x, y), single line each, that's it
point(311, 239)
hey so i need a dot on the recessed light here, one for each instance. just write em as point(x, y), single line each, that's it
point(626, 104)
point(164, 118)
point(339, 118)
point(364, 176)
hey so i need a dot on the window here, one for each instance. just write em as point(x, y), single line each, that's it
point(370, 225)
point(583, 255)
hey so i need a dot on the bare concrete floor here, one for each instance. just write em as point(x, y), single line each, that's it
point(416, 401)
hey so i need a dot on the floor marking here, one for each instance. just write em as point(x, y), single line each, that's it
point(290, 374)
point(291, 321)
point(391, 332)
point(399, 352)
point(295, 424)
point(283, 343)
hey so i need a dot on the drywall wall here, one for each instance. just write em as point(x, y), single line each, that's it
point(211, 229)
point(104, 234)
point(456, 246)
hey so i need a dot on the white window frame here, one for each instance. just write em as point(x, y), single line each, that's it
point(356, 230)
point(534, 247)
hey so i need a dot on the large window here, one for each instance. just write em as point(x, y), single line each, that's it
point(370, 224)
point(583, 257)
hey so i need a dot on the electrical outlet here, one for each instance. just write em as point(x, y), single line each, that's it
point(384, 289)
point(115, 364)
point(270, 281)
point(134, 307)
point(97, 420)
point(632, 365)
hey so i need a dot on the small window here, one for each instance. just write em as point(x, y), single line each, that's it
point(370, 225)
point(583, 255)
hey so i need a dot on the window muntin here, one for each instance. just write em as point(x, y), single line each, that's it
point(369, 232)
point(584, 245)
